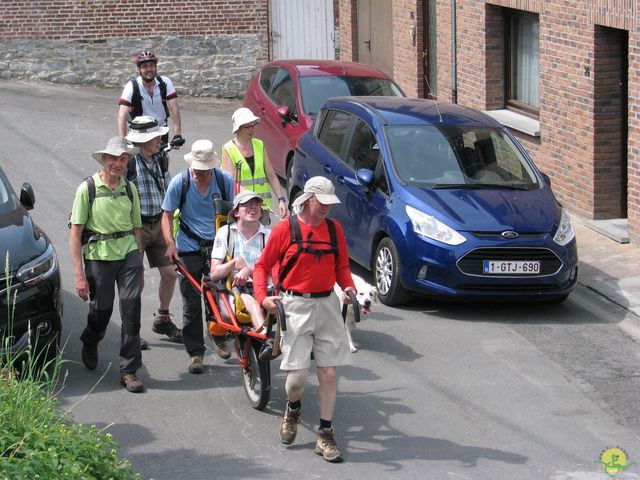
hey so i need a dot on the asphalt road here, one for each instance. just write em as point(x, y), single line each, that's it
point(436, 391)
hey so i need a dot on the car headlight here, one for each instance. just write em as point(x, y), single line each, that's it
point(37, 270)
point(565, 232)
point(430, 227)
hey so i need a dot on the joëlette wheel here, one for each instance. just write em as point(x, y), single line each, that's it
point(256, 379)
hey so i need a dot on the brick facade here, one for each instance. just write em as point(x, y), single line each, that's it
point(101, 19)
point(588, 121)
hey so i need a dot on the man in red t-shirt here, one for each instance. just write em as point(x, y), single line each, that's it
point(307, 273)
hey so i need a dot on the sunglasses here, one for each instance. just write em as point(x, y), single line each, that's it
point(250, 125)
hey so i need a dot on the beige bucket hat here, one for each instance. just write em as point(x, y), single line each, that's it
point(116, 146)
point(323, 190)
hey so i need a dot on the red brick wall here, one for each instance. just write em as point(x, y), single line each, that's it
point(633, 142)
point(566, 105)
point(405, 68)
point(494, 60)
point(348, 33)
point(73, 19)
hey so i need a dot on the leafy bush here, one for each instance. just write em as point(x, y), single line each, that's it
point(37, 441)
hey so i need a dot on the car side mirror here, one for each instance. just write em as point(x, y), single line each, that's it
point(284, 113)
point(365, 177)
point(27, 198)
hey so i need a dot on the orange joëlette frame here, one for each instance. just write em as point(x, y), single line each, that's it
point(210, 298)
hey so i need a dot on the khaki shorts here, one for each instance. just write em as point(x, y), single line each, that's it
point(154, 245)
point(313, 323)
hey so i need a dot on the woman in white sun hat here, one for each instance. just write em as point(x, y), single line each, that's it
point(246, 159)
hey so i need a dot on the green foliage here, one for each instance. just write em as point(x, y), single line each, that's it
point(37, 441)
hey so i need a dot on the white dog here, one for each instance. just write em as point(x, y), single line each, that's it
point(367, 295)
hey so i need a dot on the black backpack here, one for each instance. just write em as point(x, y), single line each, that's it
point(222, 206)
point(296, 238)
point(136, 98)
point(89, 236)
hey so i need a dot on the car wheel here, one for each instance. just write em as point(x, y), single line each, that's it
point(386, 273)
point(289, 171)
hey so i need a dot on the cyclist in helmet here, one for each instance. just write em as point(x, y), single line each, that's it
point(152, 95)
point(148, 100)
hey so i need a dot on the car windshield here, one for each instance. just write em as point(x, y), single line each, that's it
point(459, 157)
point(315, 90)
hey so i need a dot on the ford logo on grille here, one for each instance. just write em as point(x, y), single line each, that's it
point(509, 234)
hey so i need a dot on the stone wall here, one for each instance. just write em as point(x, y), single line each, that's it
point(206, 47)
point(213, 65)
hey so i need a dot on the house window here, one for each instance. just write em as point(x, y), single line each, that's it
point(523, 59)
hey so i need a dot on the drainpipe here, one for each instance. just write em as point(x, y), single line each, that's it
point(454, 55)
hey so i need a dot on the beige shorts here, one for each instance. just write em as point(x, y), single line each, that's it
point(154, 245)
point(313, 324)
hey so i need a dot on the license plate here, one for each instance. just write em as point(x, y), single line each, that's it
point(511, 267)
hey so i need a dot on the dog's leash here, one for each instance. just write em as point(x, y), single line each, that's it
point(356, 307)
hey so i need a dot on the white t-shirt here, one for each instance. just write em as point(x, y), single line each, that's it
point(247, 248)
point(151, 105)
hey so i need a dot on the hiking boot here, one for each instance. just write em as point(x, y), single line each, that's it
point(326, 446)
point(131, 382)
point(144, 345)
point(195, 364)
point(90, 355)
point(164, 326)
point(289, 425)
point(221, 347)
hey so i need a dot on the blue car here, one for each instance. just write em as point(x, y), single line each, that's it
point(439, 200)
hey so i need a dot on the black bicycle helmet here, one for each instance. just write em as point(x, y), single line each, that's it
point(145, 56)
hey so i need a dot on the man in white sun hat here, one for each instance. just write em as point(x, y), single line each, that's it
point(308, 269)
point(105, 252)
point(146, 172)
point(195, 192)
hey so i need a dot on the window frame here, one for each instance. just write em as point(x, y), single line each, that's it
point(511, 103)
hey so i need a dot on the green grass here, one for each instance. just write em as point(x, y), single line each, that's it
point(37, 439)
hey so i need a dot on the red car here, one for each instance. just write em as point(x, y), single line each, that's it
point(287, 95)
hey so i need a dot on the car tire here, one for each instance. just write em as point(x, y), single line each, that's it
point(386, 274)
point(289, 171)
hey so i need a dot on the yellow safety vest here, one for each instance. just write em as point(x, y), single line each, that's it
point(255, 181)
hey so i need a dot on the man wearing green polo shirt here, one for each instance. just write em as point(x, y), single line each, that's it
point(104, 244)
